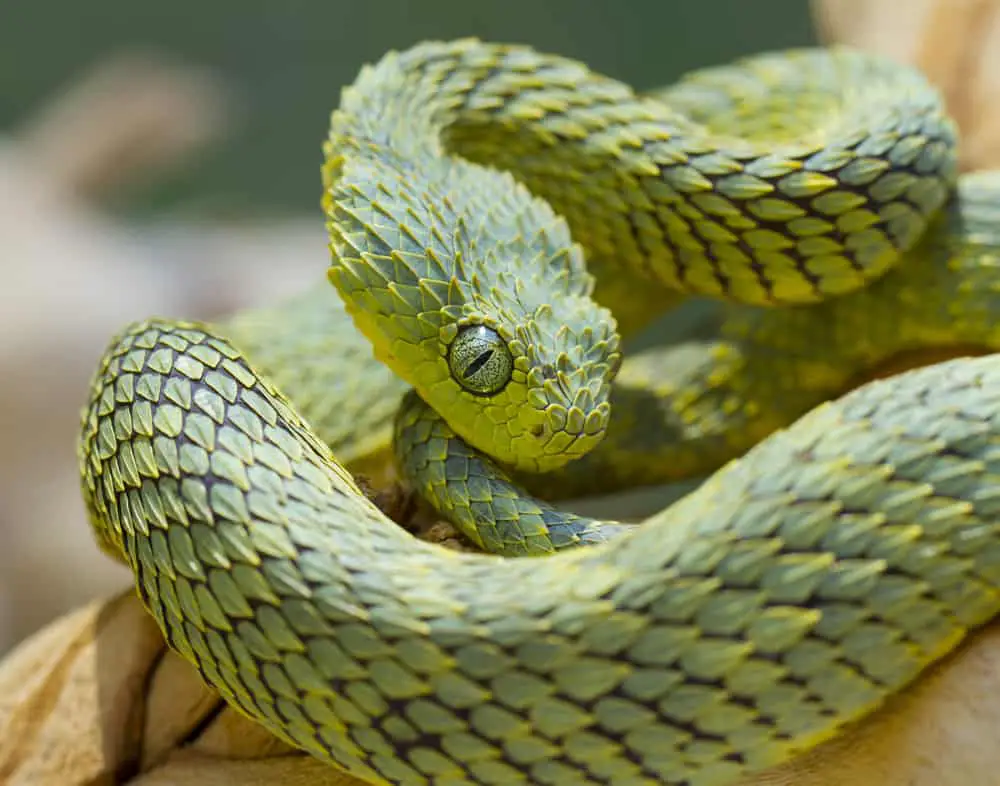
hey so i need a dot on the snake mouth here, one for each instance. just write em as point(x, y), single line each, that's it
point(559, 450)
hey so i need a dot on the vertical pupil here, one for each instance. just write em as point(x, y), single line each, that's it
point(478, 363)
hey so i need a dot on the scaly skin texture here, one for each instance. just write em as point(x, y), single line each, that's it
point(790, 594)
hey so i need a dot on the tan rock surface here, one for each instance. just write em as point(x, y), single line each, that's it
point(95, 698)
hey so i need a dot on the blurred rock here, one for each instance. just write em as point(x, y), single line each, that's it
point(955, 42)
point(73, 277)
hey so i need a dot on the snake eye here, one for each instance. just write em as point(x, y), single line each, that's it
point(480, 361)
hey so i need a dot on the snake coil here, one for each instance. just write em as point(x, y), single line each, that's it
point(499, 219)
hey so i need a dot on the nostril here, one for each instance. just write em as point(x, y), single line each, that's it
point(537, 430)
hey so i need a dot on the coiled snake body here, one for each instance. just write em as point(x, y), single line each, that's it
point(487, 205)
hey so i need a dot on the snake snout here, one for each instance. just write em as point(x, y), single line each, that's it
point(569, 383)
point(571, 426)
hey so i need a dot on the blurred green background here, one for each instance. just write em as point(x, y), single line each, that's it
point(286, 62)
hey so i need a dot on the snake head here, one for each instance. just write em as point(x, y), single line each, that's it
point(472, 291)
point(530, 390)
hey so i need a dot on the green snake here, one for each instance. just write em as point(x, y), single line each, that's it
point(500, 222)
